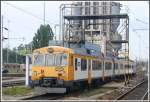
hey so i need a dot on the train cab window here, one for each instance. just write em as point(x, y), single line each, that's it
point(83, 64)
point(56, 59)
point(50, 60)
point(39, 60)
point(108, 65)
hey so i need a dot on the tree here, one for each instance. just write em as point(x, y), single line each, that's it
point(42, 37)
point(24, 49)
point(13, 56)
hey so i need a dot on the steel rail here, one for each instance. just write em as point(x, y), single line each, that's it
point(44, 97)
point(13, 83)
point(123, 95)
point(145, 95)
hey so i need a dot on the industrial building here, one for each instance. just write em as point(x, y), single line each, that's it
point(99, 32)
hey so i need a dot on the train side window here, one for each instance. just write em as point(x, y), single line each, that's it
point(121, 66)
point(50, 61)
point(132, 66)
point(108, 65)
point(127, 66)
point(94, 65)
point(97, 65)
point(83, 64)
point(116, 66)
point(76, 62)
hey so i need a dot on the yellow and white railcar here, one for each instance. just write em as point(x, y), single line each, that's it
point(56, 66)
point(116, 67)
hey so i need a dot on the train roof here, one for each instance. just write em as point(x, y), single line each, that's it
point(81, 51)
point(55, 48)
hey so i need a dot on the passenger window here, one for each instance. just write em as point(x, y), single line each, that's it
point(97, 65)
point(127, 66)
point(121, 66)
point(116, 66)
point(108, 65)
point(94, 65)
point(83, 64)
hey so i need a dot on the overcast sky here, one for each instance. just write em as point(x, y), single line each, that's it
point(25, 17)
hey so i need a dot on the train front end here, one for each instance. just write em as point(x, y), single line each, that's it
point(50, 67)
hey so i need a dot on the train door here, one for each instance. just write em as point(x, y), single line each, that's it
point(77, 68)
point(80, 69)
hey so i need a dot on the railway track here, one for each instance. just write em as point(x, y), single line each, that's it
point(13, 75)
point(13, 83)
point(46, 97)
point(58, 96)
point(145, 97)
point(139, 92)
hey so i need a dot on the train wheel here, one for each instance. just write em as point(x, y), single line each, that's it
point(69, 89)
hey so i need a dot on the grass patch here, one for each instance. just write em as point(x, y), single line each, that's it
point(16, 91)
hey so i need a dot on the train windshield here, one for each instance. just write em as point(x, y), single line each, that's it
point(39, 60)
point(50, 60)
point(56, 59)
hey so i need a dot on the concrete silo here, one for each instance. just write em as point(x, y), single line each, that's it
point(96, 31)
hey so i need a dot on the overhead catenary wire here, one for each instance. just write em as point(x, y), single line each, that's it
point(22, 25)
point(135, 30)
point(26, 12)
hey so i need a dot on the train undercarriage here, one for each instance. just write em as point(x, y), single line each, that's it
point(53, 85)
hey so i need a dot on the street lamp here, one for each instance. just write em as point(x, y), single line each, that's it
point(5, 38)
point(5, 28)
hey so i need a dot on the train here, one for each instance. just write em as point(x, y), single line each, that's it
point(62, 67)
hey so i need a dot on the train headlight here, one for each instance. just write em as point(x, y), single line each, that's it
point(50, 50)
point(59, 69)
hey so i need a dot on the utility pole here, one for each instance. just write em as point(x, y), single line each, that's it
point(44, 12)
point(31, 47)
point(16, 55)
point(1, 43)
point(2, 39)
point(8, 44)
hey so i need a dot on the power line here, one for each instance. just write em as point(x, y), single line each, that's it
point(141, 21)
point(22, 25)
point(44, 12)
point(139, 36)
point(140, 29)
point(29, 13)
